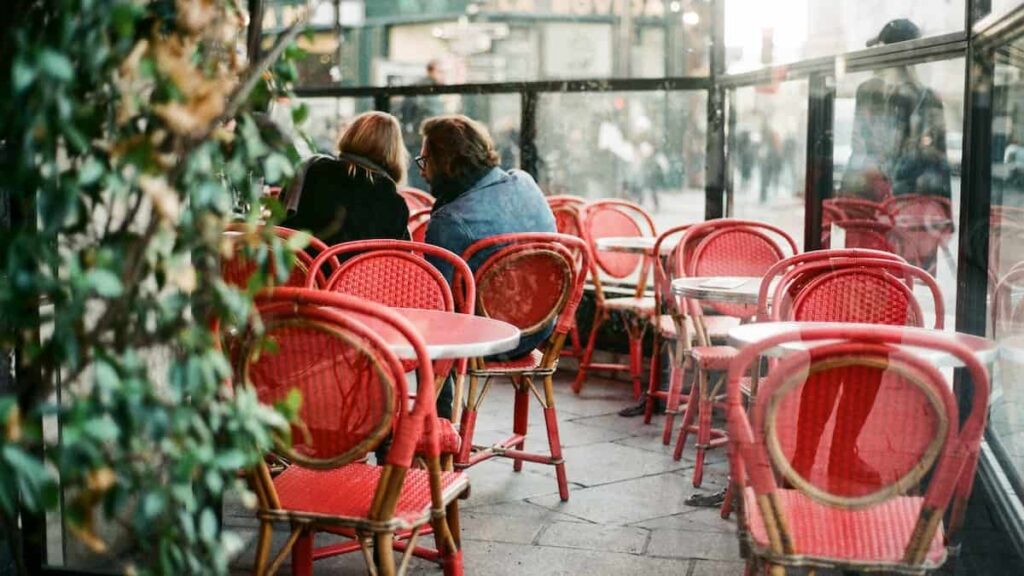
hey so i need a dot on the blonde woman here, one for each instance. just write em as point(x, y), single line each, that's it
point(354, 196)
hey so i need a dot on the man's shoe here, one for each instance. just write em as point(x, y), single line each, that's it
point(635, 410)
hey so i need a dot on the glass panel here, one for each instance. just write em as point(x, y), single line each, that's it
point(1006, 258)
point(759, 33)
point(896, 152)
point(499, 112)
point(327, 117)
point(646, 147)
point(1003, 7)
point(768, 155)
point(390, 42)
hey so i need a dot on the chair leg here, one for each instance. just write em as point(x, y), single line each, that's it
point(263, 548)
point(653, 380)
point(302, 555)
point(726, 510)
point(384, 552)
point(554, 441)
point(520, 420)
point(636, 361)
point(468, 424)
point(588, 352)
point(689, 415)
point(675, 391)
point(703, 430)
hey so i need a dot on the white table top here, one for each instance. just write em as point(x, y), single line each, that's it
point(984, 349)
point(635, 244)
point(729, 289)
point(450, 334)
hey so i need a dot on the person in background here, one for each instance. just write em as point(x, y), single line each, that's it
point(355, 195)
point(899, 131)
point(415, 109)
point(475, 199)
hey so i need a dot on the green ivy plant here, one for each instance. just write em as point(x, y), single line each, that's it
point(131, 133)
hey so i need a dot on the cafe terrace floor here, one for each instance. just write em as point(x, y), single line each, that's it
point(626, 512)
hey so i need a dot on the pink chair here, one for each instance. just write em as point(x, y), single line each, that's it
point(922, 225)
point(867, 234)
point(601, 219)
point(566, 210)
point(879, 515)
point(529, 280)
point(354, 395)
point(857, 209)
point(418, 222)
point(416, 199)
point(721, 248)
point(248, 243)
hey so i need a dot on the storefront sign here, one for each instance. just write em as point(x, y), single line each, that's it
point(637, 8)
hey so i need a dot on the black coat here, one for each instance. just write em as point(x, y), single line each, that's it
point(344, 199)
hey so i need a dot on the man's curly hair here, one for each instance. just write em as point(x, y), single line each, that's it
point(458, 146)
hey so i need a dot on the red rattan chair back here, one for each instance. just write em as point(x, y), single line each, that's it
point(250, 250)
point(331, 349)
point(1008, 305)
point(565, 199)
point(531, 279)
point(567, 218)
point(606, 218)
point(775, 273)
point(668, 269)
point(867, 290)
point(899, 425)
point(731, 247)
point(395, 273)
point(416, 199)
point(857, 209)
point(418, 224)
point(868, 234)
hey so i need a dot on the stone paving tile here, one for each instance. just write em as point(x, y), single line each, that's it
point(691, 544)
point(575, 433)
point(694, 520)
point(621, 503)
point(477, 526)
point(492, 559)
point(595, 537)
point(606, 462)
point(523, 509)
point(494, 481)
point(714, 568)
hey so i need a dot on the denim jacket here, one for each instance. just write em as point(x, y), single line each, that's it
point(499, 203)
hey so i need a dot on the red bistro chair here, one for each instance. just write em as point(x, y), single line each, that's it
point(869, 234)
point(354, 395)
point(396, 274)
point(724, 247)
point(836, 516)
point(418, 221)
point(416, 199)
point(566, 210)
point(529, 280)
point(250, 250)
point(605, 218)
point(857, 209)
point(1007, 315)
point(675, 329)
point(922, 225)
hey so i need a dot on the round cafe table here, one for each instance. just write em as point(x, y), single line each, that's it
point(727, 289)
point(635, 244)
point(449, 335)
point(984, 349)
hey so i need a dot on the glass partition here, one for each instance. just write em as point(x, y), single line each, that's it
point(647, 147)
point(768, 155)
point(1005, 260)
point(325, 119)
point(759, 33)
point(897, 145)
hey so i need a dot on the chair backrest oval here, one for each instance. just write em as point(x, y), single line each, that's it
point(867, 295)
point(868, 234)
point(396, 273)
point(608, 218)
point(1008, 315)
point(530, 279)
point(858, 208)
point(567, 218)
point(245, 239)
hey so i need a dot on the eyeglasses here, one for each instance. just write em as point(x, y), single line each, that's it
point(421, 161)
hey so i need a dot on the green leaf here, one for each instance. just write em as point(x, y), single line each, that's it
point(56, 65)
point(22, 75)
point(104, 282)
point(299, 114)
point(102, 429)
point(91, 171)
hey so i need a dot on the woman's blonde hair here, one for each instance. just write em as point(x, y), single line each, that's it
point(377, 136)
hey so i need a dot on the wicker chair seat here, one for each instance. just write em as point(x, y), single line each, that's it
point(713, 358)
point(446, 434)
point(345, 494)
point(640, 306)
point(875, 536)
point(529, 365)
